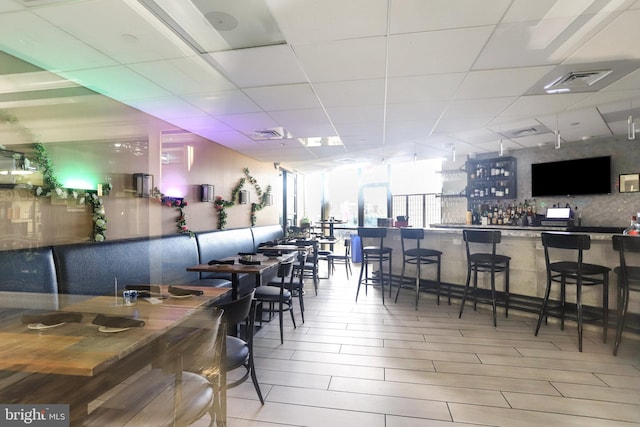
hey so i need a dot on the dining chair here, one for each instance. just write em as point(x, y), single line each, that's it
point(480, 246)
point(564, 261)
point(628, 273)
point(239, 350)
point(275, 292)
point(310, 267)
point(186, 375)
point(374, 252)
point(344, 258)
point(419, 257)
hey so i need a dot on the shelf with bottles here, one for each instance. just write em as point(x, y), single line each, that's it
point(492, 178)
point(513, 213)
point(462, 169)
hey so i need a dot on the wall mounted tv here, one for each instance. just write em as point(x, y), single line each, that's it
point(571, 177)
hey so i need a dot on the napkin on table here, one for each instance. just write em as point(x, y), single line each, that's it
point(182, 292)
point(216, 262)
point(117, 321)
point(54, 318)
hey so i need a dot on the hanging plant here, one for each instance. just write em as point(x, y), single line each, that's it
point(178, 203)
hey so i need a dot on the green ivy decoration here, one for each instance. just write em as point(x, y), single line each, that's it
point(263, 197)
point(220, 204)
point(51, 185)
point(178, 203)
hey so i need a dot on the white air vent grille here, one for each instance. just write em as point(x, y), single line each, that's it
point(268, 134)
point(522, 132)
point(577, 80)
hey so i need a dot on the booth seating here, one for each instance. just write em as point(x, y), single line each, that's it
point(95, 268)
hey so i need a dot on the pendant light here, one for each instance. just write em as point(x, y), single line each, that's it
point(557, 135)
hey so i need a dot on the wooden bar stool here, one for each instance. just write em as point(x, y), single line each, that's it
point(377, 254)
point(484, 261)
point(563, 255)
point(419, 256)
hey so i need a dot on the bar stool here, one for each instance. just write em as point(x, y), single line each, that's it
point(485, 262)
point(570, 269)
point(419, 256)
point(628, 278)
point(374, 254)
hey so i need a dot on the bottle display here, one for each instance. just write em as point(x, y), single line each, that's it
point(491, 178)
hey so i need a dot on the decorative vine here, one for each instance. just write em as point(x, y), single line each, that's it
point(221, 205)
point(51, 185)
point(178, 203)
point(263, 197)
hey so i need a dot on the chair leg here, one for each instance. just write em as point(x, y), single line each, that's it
point(579, 307)
point(363, 268)
point(401, 281)
point(382, 279)
point(506, 290)
point(543, 309)
point(417, 282)
point(623, 303)
point(605, 307)
point(254, 378)
point(493, 297)
point(466, 289)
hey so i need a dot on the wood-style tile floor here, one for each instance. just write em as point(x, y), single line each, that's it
point(364, 364)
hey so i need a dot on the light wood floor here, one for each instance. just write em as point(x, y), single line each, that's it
point(364, 364)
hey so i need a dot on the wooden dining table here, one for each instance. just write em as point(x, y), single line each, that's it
point(75, 363)
point(237, 268)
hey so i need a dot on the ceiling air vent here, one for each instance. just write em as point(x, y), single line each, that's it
point(576, 80)
point(522, 132)
point(268, 134)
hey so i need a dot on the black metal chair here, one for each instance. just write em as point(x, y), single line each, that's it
point(628, 273)
point(419, 256)
point(239, 351)
point(276, 293)
point(482, 258)
point(310, 267)
point(563, 255)
point(376, 254)
point(345, 259)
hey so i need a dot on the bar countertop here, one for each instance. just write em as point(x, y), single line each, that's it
point(596, 233)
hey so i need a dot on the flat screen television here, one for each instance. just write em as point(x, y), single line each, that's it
point(571, 177)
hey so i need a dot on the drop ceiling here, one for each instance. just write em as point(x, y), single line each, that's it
point(392, 79)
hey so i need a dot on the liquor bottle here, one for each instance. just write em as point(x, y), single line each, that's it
point(634, 228)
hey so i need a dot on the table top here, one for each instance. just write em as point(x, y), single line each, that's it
point(236, 267)
point(81, 348)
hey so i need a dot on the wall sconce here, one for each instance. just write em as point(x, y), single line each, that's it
point(243, 197)
point(268, 200)
point(206, 193)
point(143, 183)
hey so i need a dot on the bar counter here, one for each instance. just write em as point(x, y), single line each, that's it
point(527, 269)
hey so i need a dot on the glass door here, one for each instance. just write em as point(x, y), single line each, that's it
point(374, 203)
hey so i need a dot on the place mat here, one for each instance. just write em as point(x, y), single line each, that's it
point(183, 292)
point(244, 262)
point(217, 262)
point(55, 318)
point(117, 321)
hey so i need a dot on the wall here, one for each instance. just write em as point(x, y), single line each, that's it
point(613, 210)
point(192, 161)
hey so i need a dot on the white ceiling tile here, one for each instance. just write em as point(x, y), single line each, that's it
point(495, 83)
point(356, 114)
point(184, 75)
point(429, 112)
point(201, 123)
point(410, 16)
point(356, 92)
point(260, 66)
point(536, 105)
point(248, 122)
point(117, 82)
point(491, 107)
point(221, 103)
point(304, 21)
point(422, 88)
point(436, 52)
point(305, 123)
point(284, 97)
point(166, 108)
point(112, 28)
point(343, 60)
point(34, 40)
